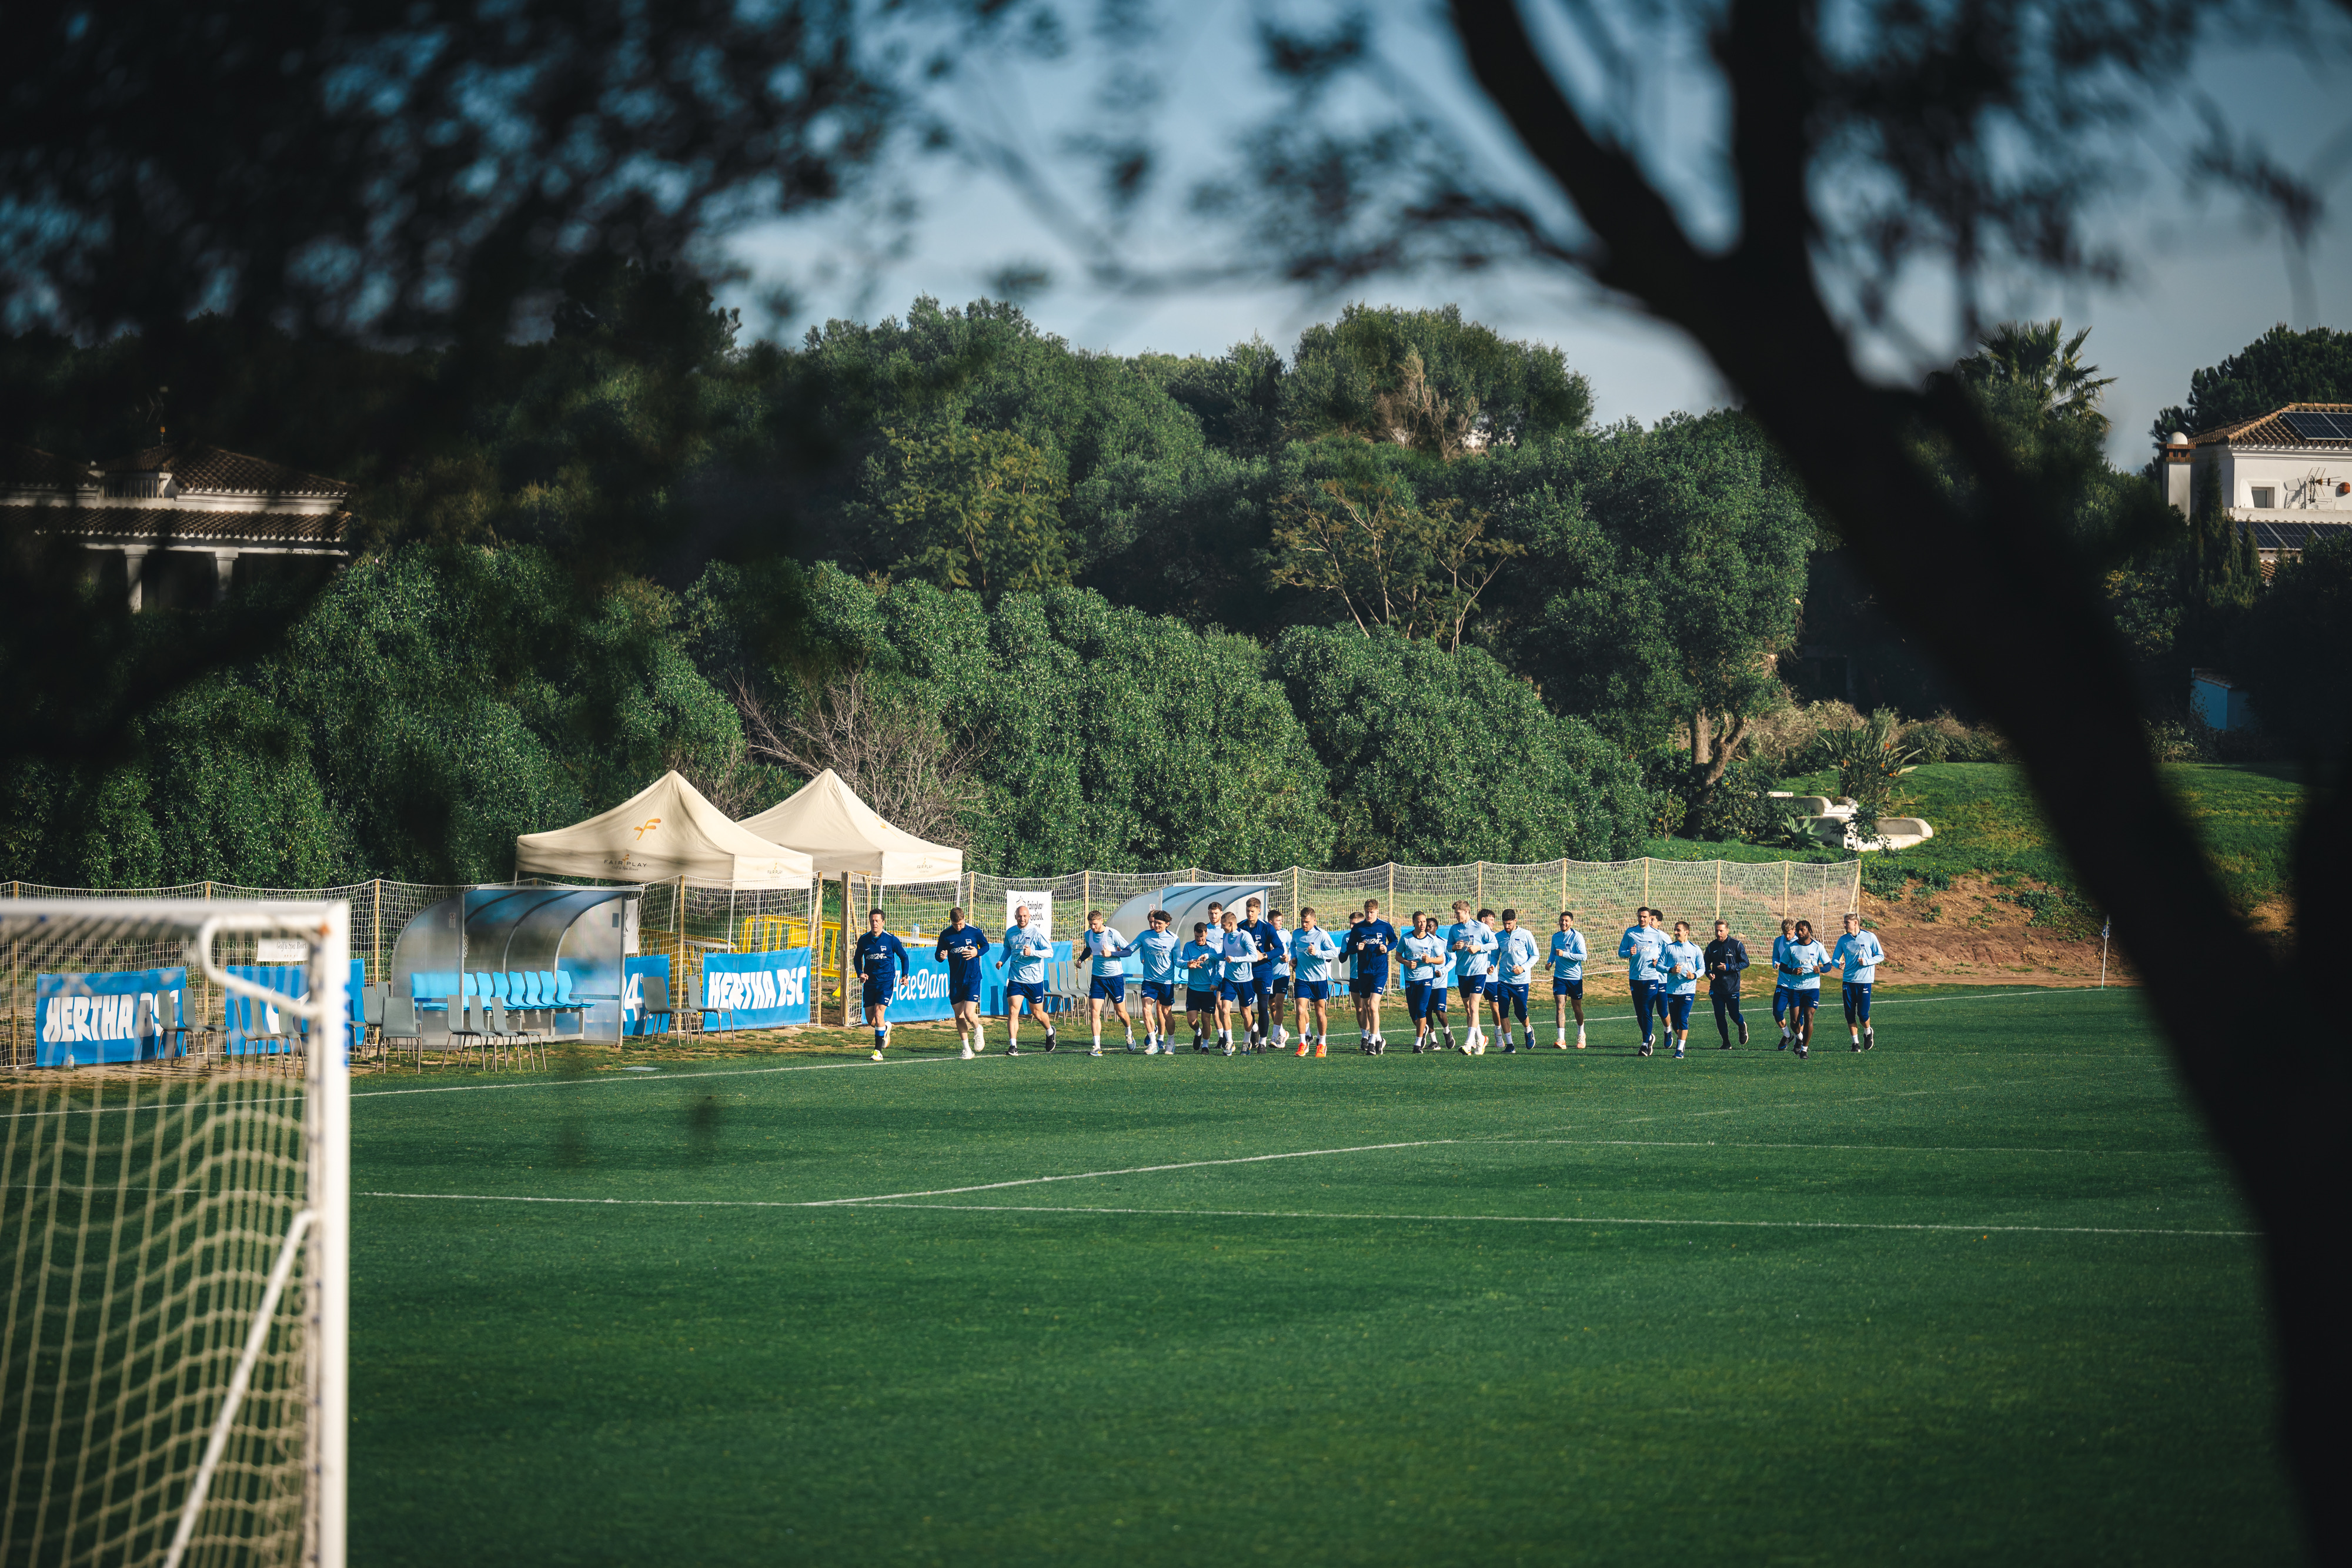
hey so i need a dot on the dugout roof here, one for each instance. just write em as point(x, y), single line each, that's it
point(842, 835)
point(662, 832)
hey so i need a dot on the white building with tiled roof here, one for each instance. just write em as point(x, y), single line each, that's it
point(2287, 474)
point(183, 499)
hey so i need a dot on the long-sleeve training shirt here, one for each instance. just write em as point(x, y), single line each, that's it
point(1154, 952)
point(1809, 960)
point(1269, 946)
point(1370, 942)
point(1104, 946)
point(1643, 945)
point(1027, 949)
point(1312, 950)
point(876, 952)
point(1726, 956)
point(1780, 946)
point(1423, 957)
point(961, 948)
point(1281, 941)
point(1861, 955)
point(1683, 963)
point(1470, 944)
point(1199, 963)
point(1514, 958)
point(1568, 955)
point(1241, 956)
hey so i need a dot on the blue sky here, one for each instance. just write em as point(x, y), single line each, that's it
point(2206, 276)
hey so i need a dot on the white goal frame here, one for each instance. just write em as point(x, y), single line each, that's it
point(319, 1236)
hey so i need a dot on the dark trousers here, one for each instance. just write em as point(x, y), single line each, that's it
point(1727, 1007)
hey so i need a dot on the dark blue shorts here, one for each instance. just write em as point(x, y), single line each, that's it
point(1032, 989)
point(1857, 1004)
point(1108, 988)
point(1274, 986)
point(874, 994)
point(1678, 1010)
point(1472, 985)
point(1160, 991)
point(1238, 990)
point(1780, 995)
point(1808, 998)
point(1561, 987)
point(1200, 1002)
point(1512, 996)
point(963, 990)
point(1365, 985)
point(1416, 998)
point(1314, 990)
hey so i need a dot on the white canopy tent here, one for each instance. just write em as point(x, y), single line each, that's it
point(841, 835)
point(663, 833)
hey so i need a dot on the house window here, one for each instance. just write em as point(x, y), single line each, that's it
point(2265, 497)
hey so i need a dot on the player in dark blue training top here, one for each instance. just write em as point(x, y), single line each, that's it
point(880, 959)
point(961, 947)
point(1370, 942)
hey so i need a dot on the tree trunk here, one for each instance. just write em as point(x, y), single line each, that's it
point(1702, 732)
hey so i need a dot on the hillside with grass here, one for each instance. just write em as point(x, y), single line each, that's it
point(1992, 894)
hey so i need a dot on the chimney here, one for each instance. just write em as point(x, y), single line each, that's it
point(2177, 454)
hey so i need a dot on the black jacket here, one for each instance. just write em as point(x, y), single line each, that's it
point(1725, 959)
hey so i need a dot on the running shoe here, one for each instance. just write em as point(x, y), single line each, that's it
point(1318, 1048)
point(1743, 1031)
point(878, 1056)
point(1013, 1050)
point(1678, 1053)
point(1049, 1043)
point(1645, 1049)
point(1097, 1049)
point(1801, 1053)
point(967, 1053)
point(1229, 1048)
point(1869, 1037)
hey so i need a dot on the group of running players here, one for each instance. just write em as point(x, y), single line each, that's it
point(1243, 977)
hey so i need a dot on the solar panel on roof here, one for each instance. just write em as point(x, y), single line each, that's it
point(2313, 425)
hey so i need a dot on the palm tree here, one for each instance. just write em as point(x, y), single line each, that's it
point(2038, 358)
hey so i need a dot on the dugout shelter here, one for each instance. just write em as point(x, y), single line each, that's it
point(577, 934)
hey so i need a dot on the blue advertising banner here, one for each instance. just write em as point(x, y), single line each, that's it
point(112, 1017)
point(757, 990)
point(243, 1018)
point(641, 978)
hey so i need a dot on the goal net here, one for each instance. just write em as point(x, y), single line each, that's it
point(173, 1238)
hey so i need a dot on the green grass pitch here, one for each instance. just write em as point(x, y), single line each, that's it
point(1983, 1294)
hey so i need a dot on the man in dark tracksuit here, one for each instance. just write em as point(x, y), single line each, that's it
point(1726, 956)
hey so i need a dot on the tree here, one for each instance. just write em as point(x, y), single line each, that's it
point(972, 509)
point(1368, 545)
point(2293, 629)
point(2280, 367)
point(2038, 361)
point(1439, 755)
point(1673, 591)
point(1429, 381)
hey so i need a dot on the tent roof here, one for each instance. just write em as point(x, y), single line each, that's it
point(841, 833)
point(663, 831)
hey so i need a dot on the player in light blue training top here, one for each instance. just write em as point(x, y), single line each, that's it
point(1201, 962)
point(1783, 992)
point(1105, 949)
point(1154, 954)
point(1684, 961)
point(1514, 971)
point(1639, 947)
point(1567, 956)
point(1470, 940)
point(1313, 951)
point(1859, 955)
point(1803, 965)
point(1423, 953)
point(1026, 951)
point(1237, 991)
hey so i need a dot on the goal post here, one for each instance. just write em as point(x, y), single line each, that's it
point(175, 1236)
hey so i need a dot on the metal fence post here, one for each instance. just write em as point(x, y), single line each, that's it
point(1718, 890)
point(1482, 883)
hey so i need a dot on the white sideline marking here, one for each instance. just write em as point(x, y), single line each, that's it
point(1559, 1219)
point(1133, 1170)
point(1291, 1214)
point(664, 1078)
point(1873, 1148)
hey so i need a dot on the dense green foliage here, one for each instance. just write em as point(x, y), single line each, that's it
point(1442, 1352)
point(2294, 632)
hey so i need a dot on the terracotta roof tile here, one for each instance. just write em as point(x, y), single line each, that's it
point(29, 465)
point(202, 467)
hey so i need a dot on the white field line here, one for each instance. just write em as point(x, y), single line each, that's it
point(1135, 1170)
point(1558, 1220)
point(1297, 1214)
